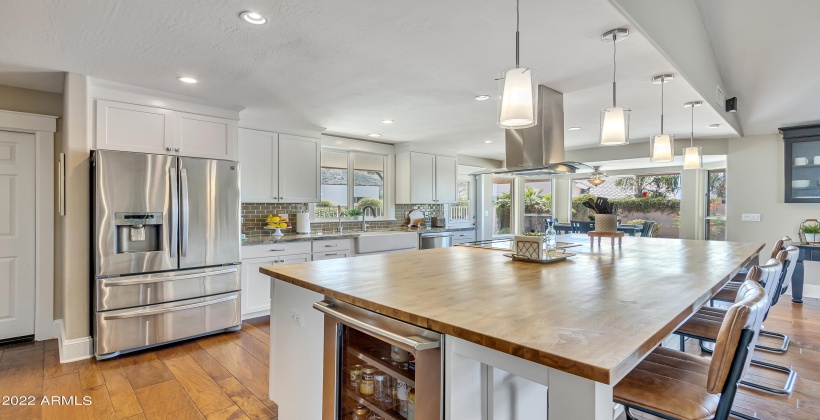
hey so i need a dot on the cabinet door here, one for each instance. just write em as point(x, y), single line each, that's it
point(205, 137)
point(256, 286)
point(258, 154)
point(422, 176)
point(298, 169)
point(446, 179)
point(292, 259)
point(134, 128)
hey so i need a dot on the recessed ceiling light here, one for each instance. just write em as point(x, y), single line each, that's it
point(187, 80)
point(374, 135)
point(714, 125)
point(482, 97)
point(573, 128)
point(488, 141)
point(388, 121)
point(254, 18)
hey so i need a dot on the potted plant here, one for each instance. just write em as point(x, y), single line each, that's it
point(354, 214)
point(811, 232)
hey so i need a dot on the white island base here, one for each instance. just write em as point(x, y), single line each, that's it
point(480, 383)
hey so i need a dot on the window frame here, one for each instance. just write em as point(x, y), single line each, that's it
point(388, 203)
point(471, 208)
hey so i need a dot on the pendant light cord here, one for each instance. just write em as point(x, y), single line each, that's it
point(517, 40)
point(614, 67)
point(692, 138)
point(663, 79)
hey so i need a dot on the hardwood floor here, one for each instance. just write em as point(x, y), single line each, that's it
point(802, 324)
point(224, 376)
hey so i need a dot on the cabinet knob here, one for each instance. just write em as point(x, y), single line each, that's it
point(168, 149)
point(176, 149)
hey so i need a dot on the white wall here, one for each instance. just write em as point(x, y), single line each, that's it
point(755, 184)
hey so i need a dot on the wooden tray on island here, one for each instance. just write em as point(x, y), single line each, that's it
point(558, 257)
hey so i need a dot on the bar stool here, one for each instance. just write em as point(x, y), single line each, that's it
point(705, 324)
point(676, 385)
point(788, 257)
point(779, 245)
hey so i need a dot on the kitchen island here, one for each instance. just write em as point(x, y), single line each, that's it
point(563, 334)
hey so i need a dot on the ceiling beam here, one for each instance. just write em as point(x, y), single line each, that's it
point(675, 29)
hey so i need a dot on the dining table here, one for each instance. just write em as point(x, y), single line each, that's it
point(631, 230)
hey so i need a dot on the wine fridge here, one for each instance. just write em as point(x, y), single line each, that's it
point(377, 367)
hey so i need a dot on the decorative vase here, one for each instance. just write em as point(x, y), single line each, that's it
point(606, 223)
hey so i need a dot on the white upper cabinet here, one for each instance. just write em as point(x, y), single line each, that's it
point(446, 179)
point(278, 168)
point(423, 178)
point(134, 128)
point(206, 137)
point(299, 159)
point(139, 128)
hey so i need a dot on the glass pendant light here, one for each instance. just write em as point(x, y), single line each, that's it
point(598, 176)
point(661, 147)
point(692, 156)
point(518, 92)
point(615, 120)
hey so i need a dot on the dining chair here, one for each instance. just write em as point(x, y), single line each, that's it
point(648, 227)
point(585, 226)
point(704, 325)
point(677, 385)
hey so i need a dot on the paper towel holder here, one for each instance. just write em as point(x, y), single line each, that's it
point(303, 223)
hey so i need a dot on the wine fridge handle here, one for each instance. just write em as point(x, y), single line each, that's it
point(417, 343)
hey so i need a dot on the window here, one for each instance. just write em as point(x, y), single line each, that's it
point(537, 204)
point(502, 203)
point(637, 198)
point(716, 206)
point(365, 188)
point(461, 213)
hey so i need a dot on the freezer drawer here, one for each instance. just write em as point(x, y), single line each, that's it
point(131, 329)
point(149, 289)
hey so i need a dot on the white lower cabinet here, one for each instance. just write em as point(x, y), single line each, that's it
point(256, 286)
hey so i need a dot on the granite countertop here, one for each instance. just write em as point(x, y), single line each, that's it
point(294, 237)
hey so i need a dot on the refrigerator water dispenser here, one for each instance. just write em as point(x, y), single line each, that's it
point(137, 232)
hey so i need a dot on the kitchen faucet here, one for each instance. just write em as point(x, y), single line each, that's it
point(364, 216)
point(339, 213)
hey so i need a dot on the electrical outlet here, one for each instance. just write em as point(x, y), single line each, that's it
point(296, 318)
point(750, 217)
point(486, 213)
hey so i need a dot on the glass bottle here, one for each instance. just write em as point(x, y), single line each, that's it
point(549, 235)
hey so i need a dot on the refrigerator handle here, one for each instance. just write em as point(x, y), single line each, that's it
point(174, 211)
point(183, 175)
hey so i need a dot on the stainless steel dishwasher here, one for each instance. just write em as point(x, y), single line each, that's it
point(436, 240)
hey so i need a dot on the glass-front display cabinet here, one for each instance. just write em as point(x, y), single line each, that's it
point(802, 163)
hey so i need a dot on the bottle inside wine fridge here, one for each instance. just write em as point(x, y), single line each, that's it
point(377, 367)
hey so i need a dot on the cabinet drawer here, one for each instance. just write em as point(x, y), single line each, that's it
point(463, 236)
point(272, 250)
point(148, 325)
point(332, 245)
point(330, 255)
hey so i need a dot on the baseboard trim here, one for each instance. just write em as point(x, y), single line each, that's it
point(256, 314)
point(809, 291)
point(75, 349)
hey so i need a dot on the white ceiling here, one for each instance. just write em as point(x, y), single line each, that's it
point(769, 56)
point(345, 66)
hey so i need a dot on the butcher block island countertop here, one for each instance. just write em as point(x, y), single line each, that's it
point(595, 315)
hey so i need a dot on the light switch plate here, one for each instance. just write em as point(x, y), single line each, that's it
point(750, 217)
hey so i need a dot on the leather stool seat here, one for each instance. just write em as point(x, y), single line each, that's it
point(649, 385)
point(728, 292)
point(704, 323)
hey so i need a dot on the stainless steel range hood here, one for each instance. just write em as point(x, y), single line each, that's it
point(539, 150)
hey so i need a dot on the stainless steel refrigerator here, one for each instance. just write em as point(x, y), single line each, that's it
point(166, 244)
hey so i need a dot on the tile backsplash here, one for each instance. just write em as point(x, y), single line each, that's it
point(255, 217)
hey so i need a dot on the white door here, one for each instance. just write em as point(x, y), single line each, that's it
point(422, 177)
point(134, 128)
point(446, 178)
point(205, 137)
point(298, 169)
point(256, 286)
point(16, 234)
point(259, 166)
